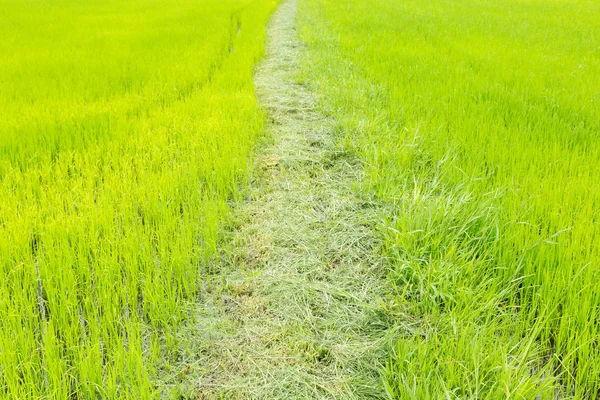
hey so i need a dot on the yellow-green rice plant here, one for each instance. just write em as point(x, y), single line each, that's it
point(479, 120)
point(125, 131)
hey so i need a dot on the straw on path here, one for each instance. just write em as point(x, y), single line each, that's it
point(296, 313)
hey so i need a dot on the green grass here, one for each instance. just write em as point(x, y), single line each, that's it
point(478, 120)
point(125, 130)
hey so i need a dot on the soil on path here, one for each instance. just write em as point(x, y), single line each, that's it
point(297, 311)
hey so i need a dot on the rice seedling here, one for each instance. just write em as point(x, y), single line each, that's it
point(478, 120)
point(125, 131)
point(125, 135)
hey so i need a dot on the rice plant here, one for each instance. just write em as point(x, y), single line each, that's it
point(478, 121)
point(125, 131)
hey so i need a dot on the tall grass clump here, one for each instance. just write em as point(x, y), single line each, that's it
point(125, 130)
point(479, 121)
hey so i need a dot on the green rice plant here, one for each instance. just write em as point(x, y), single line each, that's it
point(478, 121)
point(125, 132)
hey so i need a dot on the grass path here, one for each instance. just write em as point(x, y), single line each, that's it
point(297, 311)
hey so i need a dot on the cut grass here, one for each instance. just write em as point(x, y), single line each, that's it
point(298, 312)
point(479, 122)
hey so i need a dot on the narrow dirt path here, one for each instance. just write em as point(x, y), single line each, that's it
point(299, 314)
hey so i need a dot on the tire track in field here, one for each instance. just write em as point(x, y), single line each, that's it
point(297, 312)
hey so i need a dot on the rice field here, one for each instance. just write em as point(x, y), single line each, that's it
point(479, 120)
point(129, 134)
point(125, 132)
